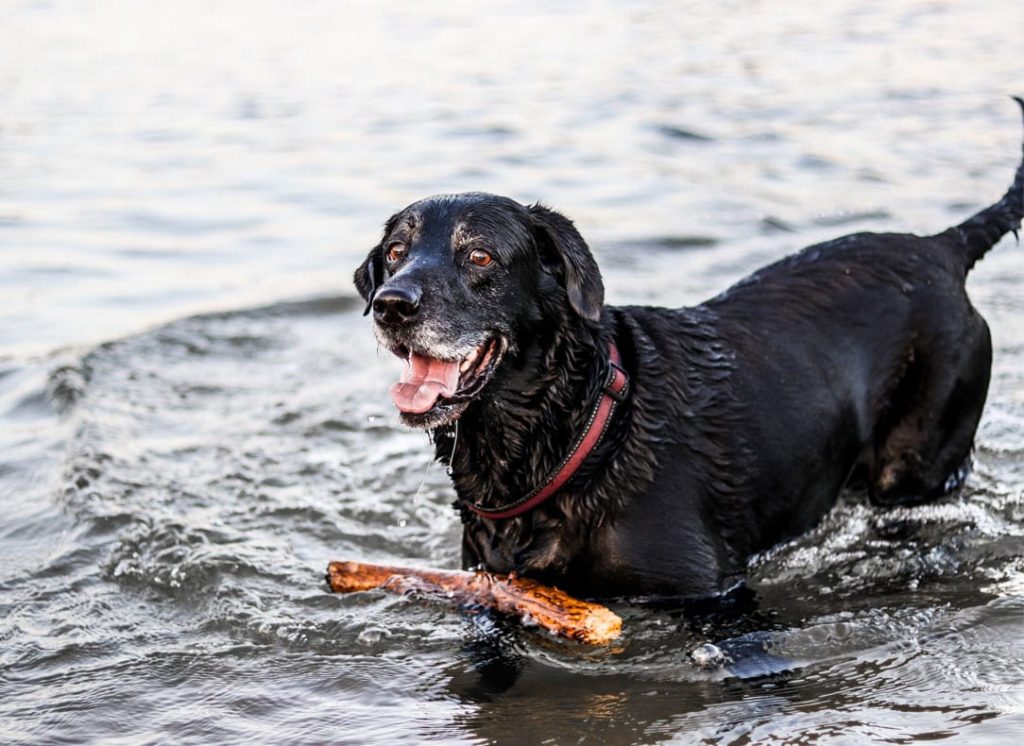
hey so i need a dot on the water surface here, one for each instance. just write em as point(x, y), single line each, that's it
point(193, 413)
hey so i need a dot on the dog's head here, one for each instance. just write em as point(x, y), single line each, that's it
point(461, 284)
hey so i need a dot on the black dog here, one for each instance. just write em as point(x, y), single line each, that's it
point(722, 430)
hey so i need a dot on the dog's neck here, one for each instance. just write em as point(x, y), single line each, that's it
point(506, 444)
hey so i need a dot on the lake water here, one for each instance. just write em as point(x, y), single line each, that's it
point(194, 416)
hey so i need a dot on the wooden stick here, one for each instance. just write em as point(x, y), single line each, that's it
point(547, 606)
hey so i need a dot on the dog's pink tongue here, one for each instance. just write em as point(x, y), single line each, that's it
point(423, 381)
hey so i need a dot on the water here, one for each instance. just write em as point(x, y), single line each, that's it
point(193, 416)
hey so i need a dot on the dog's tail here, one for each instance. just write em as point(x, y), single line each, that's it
point(982, 231)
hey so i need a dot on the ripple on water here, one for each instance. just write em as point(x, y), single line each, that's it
point(170, 499)
point(218, 463)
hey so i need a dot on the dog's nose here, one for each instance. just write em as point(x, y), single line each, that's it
point(396, 305)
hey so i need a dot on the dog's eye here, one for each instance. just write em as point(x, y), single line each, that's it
point(480, 258)
point(397, 251)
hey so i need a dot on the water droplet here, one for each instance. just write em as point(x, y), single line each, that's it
point(709, 656)
point(372, 635)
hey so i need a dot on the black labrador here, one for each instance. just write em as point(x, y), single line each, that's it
point(639, 451)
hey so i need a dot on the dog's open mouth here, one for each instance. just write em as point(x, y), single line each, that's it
point(426, 381)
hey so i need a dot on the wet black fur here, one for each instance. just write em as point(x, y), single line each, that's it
point(858, 359)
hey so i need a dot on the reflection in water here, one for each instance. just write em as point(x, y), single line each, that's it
point(171, 498)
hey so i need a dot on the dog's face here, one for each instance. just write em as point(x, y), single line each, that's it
point(459, 284)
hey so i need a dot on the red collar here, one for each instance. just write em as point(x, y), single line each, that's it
point(615, 390)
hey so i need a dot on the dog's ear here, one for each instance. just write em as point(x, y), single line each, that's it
point(369, 276)
point(581, 277)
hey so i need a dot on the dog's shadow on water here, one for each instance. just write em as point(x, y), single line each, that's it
point(721, 638)
point(688, 656)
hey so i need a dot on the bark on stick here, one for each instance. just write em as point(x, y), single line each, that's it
point(549, 607)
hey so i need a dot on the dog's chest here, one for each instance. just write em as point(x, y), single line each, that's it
point(533, 543)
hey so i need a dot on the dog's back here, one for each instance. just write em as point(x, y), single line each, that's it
point(869, 345)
